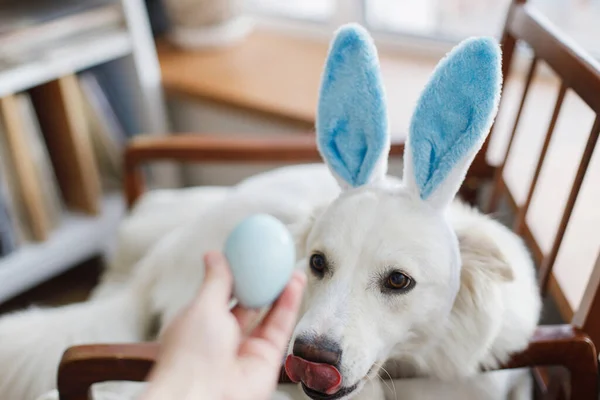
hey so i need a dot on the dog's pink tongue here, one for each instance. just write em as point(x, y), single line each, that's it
point(323, 378)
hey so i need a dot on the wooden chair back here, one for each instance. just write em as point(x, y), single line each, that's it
point(579, 74)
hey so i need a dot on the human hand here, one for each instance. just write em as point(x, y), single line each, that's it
point(208, 353)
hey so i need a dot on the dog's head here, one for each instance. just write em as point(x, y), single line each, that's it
point(382, 259)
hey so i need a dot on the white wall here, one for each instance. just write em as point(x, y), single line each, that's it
point(191, 116)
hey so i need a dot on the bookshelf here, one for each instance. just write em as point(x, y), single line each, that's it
point(75, 56)
point(78, 238)
point(127, 51)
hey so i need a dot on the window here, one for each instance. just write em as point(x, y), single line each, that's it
point(442, 20)
point(299, 9)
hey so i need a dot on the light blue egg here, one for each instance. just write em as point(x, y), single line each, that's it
point(261, 254)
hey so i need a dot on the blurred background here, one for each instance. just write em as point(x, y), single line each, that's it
point(79, 79)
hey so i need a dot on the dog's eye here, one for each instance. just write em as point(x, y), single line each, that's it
point(318, 264)
point(398, 281)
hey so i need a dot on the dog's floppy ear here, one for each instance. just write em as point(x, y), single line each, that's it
point(452, 119)
point(480, 253)
point(352, 126)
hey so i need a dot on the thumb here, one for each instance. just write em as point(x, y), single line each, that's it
point(218, 281)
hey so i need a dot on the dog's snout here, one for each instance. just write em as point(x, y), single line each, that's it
point(319, 350)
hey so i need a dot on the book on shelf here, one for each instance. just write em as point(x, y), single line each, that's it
point(30, 27)
point(10, 236)
point(60, 111)
point(8, 242)
point(107, 134)
point(118, 92)
point(45, 175)
point(10, 191)
point(27, 163)
point(122, 99)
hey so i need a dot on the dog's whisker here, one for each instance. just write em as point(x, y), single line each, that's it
point(372, 381)
point(393, 388)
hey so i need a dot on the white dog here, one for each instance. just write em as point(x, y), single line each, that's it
point(399, 273)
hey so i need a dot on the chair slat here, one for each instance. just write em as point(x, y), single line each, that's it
point(522, 214)
point(549, 260)
point(496, 193)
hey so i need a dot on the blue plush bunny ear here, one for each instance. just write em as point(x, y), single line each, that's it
point(352, 127)
point(452, 119)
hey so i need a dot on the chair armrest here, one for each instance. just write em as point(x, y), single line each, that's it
point(217, 148)
point(566, 346)
point(562, 345)
point(82, 366)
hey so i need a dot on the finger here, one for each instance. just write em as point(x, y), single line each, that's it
point(277, 326)
point(245, 317)
point(218, 281)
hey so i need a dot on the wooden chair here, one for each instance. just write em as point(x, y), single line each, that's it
point(568, 345)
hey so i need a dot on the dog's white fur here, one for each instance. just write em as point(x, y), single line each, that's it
point(494, 314)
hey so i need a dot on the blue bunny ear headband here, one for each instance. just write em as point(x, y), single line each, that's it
point(450, 123)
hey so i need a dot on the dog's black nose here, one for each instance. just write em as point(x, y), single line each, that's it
point(318, 349)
